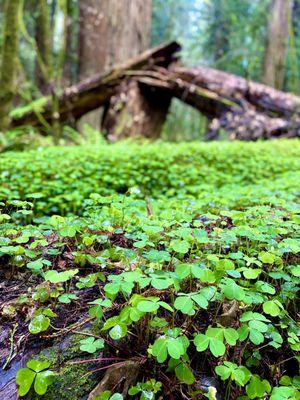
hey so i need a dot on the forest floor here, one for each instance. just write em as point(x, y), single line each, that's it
point(155, 271)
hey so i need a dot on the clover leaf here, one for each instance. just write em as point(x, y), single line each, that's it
point(58, 277)
point(239, 374)
point(174, 346)
point(39, 324)
point(91, 345)
point(36, 373)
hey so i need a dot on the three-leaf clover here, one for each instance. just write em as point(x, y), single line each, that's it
point(118, 328)
point(97, 309)
point(255, 328)
point(184, 373)
point(285, 393)
point(147, 389)
point(272, 307)
point(214, 339)
point(257, 387)
point(58, 277)
point(169, 344)
point(203, 274)
point(36, 373)
point(39, 324)
point(232, 290)
point(188, 302)
point(239, 374)
point(91, 345)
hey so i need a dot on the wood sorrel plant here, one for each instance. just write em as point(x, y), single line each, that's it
point(193, 286)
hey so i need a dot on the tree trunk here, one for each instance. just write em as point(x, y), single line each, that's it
point(277, 43)
point(111, 32)
point(230, 86)
point(71, 58)
point(44, 47)
point(92, 47)
point(220, 32)
point(9, 59)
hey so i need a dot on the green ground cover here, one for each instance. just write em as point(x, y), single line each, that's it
point(60, 179)
point(182, 258)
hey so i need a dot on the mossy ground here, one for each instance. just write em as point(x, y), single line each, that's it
point(72, 381)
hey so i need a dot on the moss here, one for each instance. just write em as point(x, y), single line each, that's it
point(70, 382)
point(9, 58)
point(96, 328)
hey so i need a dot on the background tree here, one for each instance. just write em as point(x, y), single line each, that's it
point(71, 53)
point(44, 64)
point(292, 67)
point(110, 32)
point(9, 59)
point(277, 43)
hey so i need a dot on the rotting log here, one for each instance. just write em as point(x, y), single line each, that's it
point(94, 92)
point(137, 96)
point(260, 111)
point(134, 111)
point(236, 116)
point(262, 97)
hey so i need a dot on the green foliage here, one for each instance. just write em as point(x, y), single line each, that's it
point(147, 389)
point(206, 281)
point(90, 345)
point(37, 375)
point(107, 395)
point(36, 106)
point(235, 373)
point(65, 177)
point(57, 277)
point(214, 339)
point(39, 324)
point(234, 37)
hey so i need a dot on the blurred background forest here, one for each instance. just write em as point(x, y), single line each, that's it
point(63, 41)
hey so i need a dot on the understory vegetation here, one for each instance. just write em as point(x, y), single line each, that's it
point(164, 270)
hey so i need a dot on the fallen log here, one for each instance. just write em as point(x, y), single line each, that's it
point(263, 98)
point(235, 115)
point(259, 111)
point(137, 95)
point(94, 92)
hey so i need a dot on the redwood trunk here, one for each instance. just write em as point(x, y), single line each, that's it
point(136, 111)
point(277, 43)
point(44, 47)
point(112, 31)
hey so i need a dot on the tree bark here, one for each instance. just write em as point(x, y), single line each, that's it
point(230, 86)
point(136, 111)
point(277, 42)
point(110, 32)
point(236, 115)
point(44, 47)
point(230, 102)
point(71, 56)
point(9, 59)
